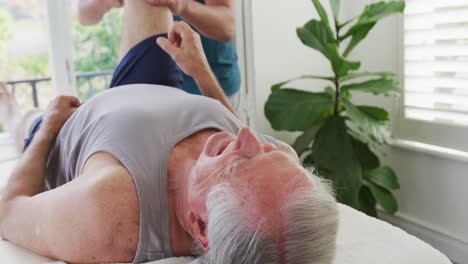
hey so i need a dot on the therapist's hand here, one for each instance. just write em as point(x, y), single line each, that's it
point(176, 6)
point(185, 48)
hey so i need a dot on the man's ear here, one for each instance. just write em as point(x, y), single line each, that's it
point(200, 229)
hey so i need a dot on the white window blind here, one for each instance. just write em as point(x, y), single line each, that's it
point(436, 61)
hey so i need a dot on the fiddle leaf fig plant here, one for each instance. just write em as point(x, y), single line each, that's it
point(342, 140)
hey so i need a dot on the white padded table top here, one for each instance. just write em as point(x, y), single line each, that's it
point(361, 240)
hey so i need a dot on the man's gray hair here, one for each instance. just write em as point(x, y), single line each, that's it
point(310, 219)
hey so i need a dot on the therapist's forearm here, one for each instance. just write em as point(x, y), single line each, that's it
point(210, 87)
point(27, 178)
point(213, 21)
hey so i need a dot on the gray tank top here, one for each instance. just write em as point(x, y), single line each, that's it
point(139, 125)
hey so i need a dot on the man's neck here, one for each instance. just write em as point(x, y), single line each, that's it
point(181, 162)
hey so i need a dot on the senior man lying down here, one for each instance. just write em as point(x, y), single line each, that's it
point(144, 172)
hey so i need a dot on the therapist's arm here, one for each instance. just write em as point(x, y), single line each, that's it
point(215, 19)
point(184, 46)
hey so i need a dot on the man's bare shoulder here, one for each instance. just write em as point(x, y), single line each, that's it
point(94, 218)
point(104, 162)
point(114, 195)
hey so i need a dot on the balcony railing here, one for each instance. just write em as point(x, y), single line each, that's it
point(82, 79)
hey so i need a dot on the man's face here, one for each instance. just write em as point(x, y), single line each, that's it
point(261, 173)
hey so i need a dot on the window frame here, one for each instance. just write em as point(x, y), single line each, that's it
point(429, 136)
point(61, 47)
point(60, 56)
point(243, 41)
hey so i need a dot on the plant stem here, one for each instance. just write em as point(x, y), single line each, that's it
point(336, 80)
point(340, 26)
point(337, 95)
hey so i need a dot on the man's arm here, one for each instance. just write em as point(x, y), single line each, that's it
point(215, 19)
point(91, 219)
point(27, 178)
point(184, 46)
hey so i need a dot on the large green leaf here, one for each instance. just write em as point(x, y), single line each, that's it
point(315, 35)
point(295, 110)
point(304, 141)
point(372, 128)
point(368, 19)
point(329, 90)
point(375, 112)
point(323, 16)
point(358, 36)
point(384, 177)
point(356, 75)
point(341, 66)
point(384, 197)
point(278, 86)
point(367, 201)
point(309, 160)
point(364, 155)
point(335, 5)
point(375, 12)
point(384, 86)
point(334, 158)
point(358, 134)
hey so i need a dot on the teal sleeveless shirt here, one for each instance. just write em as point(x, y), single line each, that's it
point(223, 61)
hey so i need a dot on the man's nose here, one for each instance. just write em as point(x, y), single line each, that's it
point(248, 143)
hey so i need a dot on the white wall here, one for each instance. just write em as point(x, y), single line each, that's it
point(279, 54)
point(434, 194)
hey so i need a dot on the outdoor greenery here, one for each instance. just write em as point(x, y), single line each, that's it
point(343, 141)
point(5, 29)
point(5, 33)
point(97, 47)
point(35, 66)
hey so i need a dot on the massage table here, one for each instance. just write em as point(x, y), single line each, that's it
point(361, 240)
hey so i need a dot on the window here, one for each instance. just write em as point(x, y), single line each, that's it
point(436, 60)
point(436, 73)
point(95, 51)
point(84, 57)
point(24, 56)
point(44, 51)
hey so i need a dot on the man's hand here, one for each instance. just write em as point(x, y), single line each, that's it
point(176, 6)
point(185, 48)
point(58, 112)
